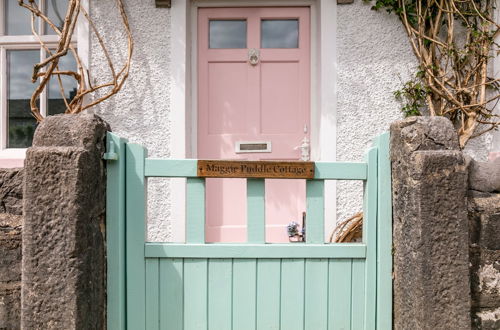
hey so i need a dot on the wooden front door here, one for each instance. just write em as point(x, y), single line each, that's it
point(253, 104)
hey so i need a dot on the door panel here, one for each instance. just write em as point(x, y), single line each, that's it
point(280, 107)
point(239, 101)
point(227, 104)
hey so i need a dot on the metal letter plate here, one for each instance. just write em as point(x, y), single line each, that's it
point(252, 146)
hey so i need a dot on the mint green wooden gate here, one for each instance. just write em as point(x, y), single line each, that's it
point(252, 285)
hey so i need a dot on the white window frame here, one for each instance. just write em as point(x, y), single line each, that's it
point(30, 42)
point(183, 79)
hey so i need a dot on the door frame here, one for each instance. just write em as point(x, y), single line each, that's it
point(184, 93)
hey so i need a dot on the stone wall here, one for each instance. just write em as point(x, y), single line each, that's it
point(484, 239)
point(11, 206)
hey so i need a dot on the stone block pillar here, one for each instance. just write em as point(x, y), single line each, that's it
point(430, 235)
point(63, 268)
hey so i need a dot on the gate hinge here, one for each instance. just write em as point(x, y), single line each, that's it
point(111, 154)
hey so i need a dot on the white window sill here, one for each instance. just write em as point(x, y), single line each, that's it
point(10, 158)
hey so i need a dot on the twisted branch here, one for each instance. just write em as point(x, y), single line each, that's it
point(64, 47)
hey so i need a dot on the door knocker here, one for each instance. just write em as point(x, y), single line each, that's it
point(253, 56)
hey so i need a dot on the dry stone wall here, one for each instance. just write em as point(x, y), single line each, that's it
point(484, 240)
point(11, 206)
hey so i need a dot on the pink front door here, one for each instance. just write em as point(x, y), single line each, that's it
point(253, 104)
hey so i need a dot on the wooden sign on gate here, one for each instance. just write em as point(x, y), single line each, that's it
point(255, 169)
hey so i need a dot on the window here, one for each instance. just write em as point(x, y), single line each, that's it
point(19, 51)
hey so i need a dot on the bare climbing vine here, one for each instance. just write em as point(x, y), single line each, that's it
point(49, 68)
point(453, 41)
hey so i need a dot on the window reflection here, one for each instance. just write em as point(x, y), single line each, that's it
point(56, 11)
point(55, 99)
point(228, 34)
point(280, 33)
point(19, 90)
point(17, 19)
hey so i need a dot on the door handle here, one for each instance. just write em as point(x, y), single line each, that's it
point(253, 56)
point(305, 148)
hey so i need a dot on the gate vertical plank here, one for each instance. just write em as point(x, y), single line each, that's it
point(220, 294)
point(316, 294)
point(315, 211)
point(384, 235)
point(115, 234)
point(292, 294)
point(195, 210)
point(171, 294)
point(358, 294)
point(135, 236)
point(244, 293)
point(152, 294)
point(195, 294)
point(339, 294)
point(370, 239)
point(316, 271)
point(268, 293)
point(256, 232)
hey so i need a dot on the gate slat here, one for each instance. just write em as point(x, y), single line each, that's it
point(135, 236)
point(195, 294)
point(339, 292)
point(358, 294)
point(370, 238)
point(171, 294)
point(315, 212)
point(316, 294)
point(292, 294)
point(219, 294)
point(195, 210)
point(152, 294)
point(115, 234)
point(256, 231)
point(244, 293)
point(384, 235)
point(268, 293)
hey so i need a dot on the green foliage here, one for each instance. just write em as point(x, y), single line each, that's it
point(453, 41)
point(413, 96)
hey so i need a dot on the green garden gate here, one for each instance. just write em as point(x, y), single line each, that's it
point(253, 285)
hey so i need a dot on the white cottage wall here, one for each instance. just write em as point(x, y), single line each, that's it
point(374, 58)
point(141, 112)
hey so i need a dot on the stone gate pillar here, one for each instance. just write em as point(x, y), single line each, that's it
point(63, 267)
point(430, 235)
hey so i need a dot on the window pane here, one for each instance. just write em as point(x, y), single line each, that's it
point(56, 10)
point(228, 34)
point(280, 33)
point(19, 89)
point(55, 100)
point(17, 19)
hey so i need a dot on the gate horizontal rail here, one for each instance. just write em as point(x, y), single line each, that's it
point(187, 168)
point(269, 251)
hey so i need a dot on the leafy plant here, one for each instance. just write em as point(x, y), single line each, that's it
point(453, 41)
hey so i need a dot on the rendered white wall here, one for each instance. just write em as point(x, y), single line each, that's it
point(141, 111)
point(374, 58)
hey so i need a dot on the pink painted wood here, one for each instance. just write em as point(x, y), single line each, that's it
point(238, 101)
